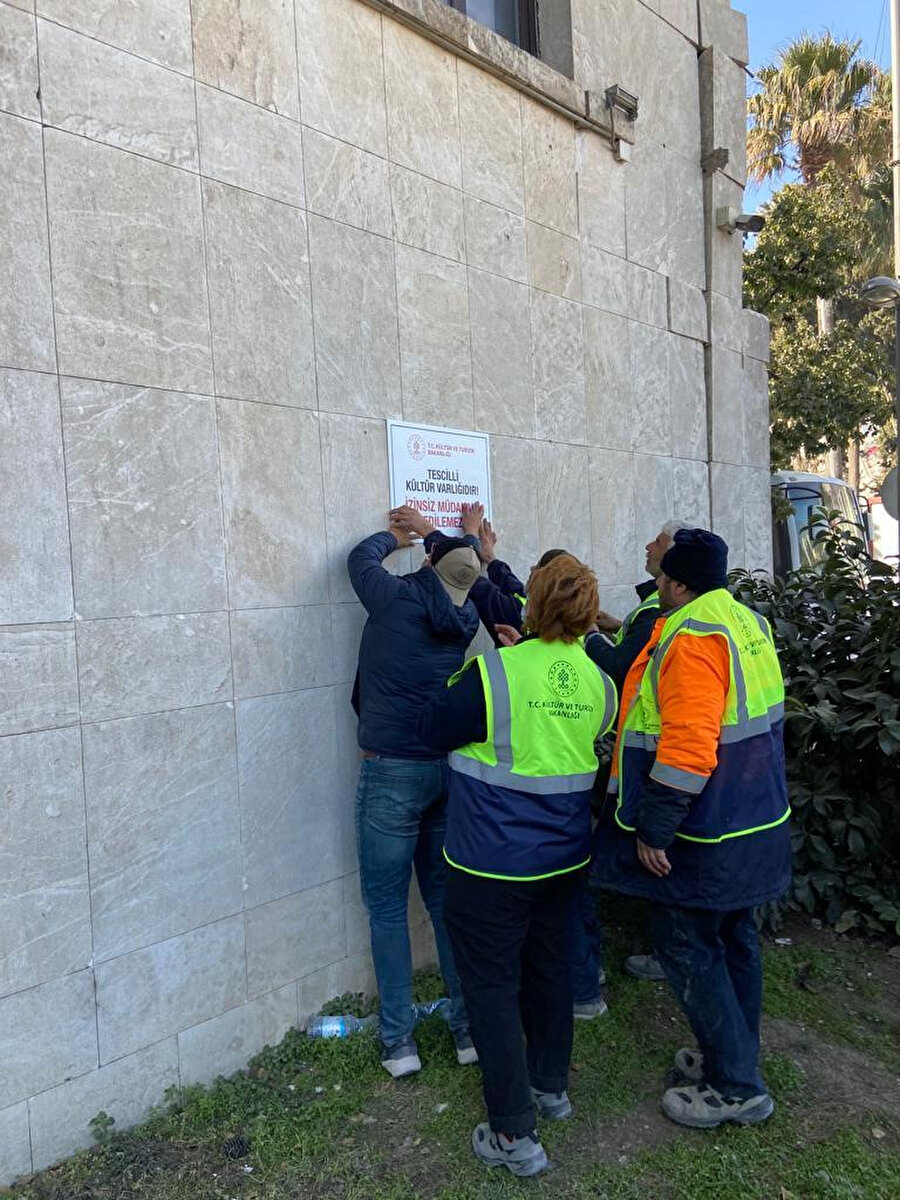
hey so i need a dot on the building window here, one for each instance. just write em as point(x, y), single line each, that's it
point(516, 20)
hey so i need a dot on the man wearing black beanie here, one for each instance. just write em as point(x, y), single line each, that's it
point(698, 820)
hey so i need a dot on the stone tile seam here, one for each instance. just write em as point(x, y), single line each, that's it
point(466, 239)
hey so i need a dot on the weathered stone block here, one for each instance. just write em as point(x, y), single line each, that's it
point(422, 106)
point(682, 14)
point(756, 413)
point(725, 251)
point(272, 499)
point(259, 298)
point(153, 993)
point(550, 191)
point(243, 144)
point(684, 216)
point(491, 139)
point(727, 496)
point(15, 1141)
point(163, 825)
point(722, 26)
point(687, 311)
point(607, 380)
point(554, 262)
point(144, 505)
point(655, 495)
point(723, 87)
point(501, 355)
point(226, 1043)
point(515, 497)
point(495, 240)
point(45, 919)
point(647, 296)
point(691, 492)
point(613, 515)
point(18, 64)
point(36, 578)
point(355, 308)
point(32, 1061)
point(758, 519)
point(427, 214)
point(687, 392)
point(290, 938)
point(601, 194)
point(557, 341)
point(247, 47)
point(281, 649)
point(354, 974)
point(347, 184)
point(347, 621)
point(645, 208)
point(109, 96)
point(726, 324)
point(128, 274)
point(677, 91)
point(605, 279)
point(756, 336)
point(38, 684)
point(126, 1090)
point(564, 515)
point(649, 359)
point(156, 29)
point(726, 406)
point(26, 316)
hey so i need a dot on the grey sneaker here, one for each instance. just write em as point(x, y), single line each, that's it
point(701, 1107)
point(401, 1059)
point(689, 1063)
point(645, 966)
point(552, 1106)
point(466, 1054)
point(586, 1010)
point(523, 1155)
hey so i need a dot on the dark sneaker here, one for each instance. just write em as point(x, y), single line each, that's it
point(701, 1107)
point(552, 1106)
point(689, 1063)
point(466, 1054)
point(586, 1010)
point(645, 966)
point(401, 1059)
point(522, 1156)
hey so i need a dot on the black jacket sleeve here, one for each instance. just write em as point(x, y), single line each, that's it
point(660, 811)
point(457, 715)
point(616, 660)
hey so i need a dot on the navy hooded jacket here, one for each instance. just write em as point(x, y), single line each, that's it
point(414, 640)
point(496, 596)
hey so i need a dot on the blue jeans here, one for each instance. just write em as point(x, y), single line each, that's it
point(401, 816)
point(589, 946)
point(713, 963)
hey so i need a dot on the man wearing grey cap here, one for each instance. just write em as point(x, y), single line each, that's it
point(418, 630)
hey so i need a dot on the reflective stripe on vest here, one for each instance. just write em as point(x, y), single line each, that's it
point(754, 707)
point(652, 601)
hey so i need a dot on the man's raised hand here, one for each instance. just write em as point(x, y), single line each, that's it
point(410, 519)
point(472, 516)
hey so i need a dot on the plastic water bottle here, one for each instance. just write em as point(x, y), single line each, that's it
point(338, 1027)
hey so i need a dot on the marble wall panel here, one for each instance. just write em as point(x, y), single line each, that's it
point(342, 72)
point(515, 516)
point(618, 600)
point(727, 482)
point(687, 396)
point(687, 311)
point(723, 26)
point(606, 279)
point(422, 105)
point(152, 664)
point(758, 519)
point(347, 621)
point(649, 358)
point(347, 184)
point(259, 298)
point(128, 275)
point(726, 322)
point(756, 413)
point(607, 380)
point(290, 938)
point(756, 336)
point(32, 1061)
point(638, 67)
point(153, 993)
point(612, 489)
point(352, 511)
point(554, 261)
point(163, 825)
point(243, 144)
point(598, 28)
point(601, 194)
point(646, 296)
point(495, 240)
point(435, 355)
point(226, 1043)
point(272, 495)
point(144, 506)
point(645, 208)
point(557, 348)
point(26, 316)
point(355, 309)
point(247, 47)
point(281, 649)
point(18, 64)
point(725, 251)
point(491, 139)
point(682, 14)
point(427, 214)
point(685, 221)
point(549, 146)
point(563, 491)
point(296, 823)
point(679, 92)
point(156, 29)
point(36, 578)
point(45, 920)
point(655, 492)
point(15, 1141)
point(726, 406)
point(691, 492)
point(354, 974)
point(357, 919)
point(501, 355)
point(126, 1090)
point(38, 683)
point(91, 89)
point(723, 86)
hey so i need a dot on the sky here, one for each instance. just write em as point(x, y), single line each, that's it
point(772, 23)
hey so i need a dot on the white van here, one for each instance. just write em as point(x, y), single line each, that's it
point(792, 545)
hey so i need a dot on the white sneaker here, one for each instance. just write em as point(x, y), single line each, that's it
point(402, 1059)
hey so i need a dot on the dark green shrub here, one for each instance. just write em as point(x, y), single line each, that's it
point(837, 628)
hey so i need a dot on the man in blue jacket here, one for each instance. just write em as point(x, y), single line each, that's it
point(418, 629)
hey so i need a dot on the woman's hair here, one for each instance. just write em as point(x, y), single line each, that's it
point(563, 601)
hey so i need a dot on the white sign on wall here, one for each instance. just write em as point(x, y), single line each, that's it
point(438, 470)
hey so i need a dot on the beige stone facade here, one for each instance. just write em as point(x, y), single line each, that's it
point(234, 238)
